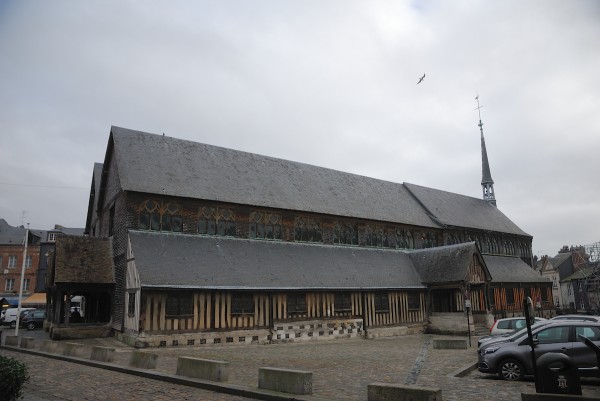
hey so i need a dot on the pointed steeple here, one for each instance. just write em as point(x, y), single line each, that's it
point(487, 183)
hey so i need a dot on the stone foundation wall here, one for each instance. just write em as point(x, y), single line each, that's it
point(375, 332)
point(312, 330)
point(233, 337)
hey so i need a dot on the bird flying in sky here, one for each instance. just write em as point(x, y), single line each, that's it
point(421, 79)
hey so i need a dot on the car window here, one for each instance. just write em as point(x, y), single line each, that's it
point(553, 335)
point(504, 324)
point(38, 314)
point(519, 324)
point(593, 333)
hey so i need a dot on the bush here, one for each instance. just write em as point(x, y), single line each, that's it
point(13, 374)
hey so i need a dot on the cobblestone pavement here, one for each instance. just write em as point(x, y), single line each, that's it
point(342, 369)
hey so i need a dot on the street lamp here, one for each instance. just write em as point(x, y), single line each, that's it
point(22, 280)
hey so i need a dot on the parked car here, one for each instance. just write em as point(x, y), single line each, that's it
point(10, 317)
point(33, 318)
point(511, 336)
point(587, 318)
point(510, 324)
point(512, 360)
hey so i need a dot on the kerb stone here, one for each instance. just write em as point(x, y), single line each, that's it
point(401, 392)
point(285, 380)
point(204, 369)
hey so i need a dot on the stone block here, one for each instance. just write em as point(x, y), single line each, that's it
point(402, 392)
point(27, 342)
point(204, 369)
point(285, 380)
point(11, 341)
point(50, 346)
point(450, 344)
point(74, 349)
point(143, 360)
point(102, 354)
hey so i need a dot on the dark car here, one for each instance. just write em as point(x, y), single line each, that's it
point(512, 360)
point(507, 337)
point(34, 318)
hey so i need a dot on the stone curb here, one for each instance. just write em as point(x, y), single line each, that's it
point(225, 388)
point(464, 371)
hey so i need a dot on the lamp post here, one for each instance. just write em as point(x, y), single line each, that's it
point(22, 280)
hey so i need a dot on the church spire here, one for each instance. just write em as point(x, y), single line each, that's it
point(486, 177)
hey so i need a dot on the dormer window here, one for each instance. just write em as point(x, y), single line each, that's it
point(51, 237)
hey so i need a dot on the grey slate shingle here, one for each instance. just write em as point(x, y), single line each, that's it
point(192, 261)
point(510, 269)
point(444, 264)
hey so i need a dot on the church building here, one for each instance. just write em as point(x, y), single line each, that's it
point(213, 245)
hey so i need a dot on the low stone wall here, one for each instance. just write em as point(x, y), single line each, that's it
point(59, 332)
point(11, 341)
point(394, 392)
point(50, 346)
point(204, 369)
point(102, 354)
point(27, 342)
point(285, 380)
point(375, 332)
point(143, 360)
point(445, 343)
point(74, 349)
point(449, 323)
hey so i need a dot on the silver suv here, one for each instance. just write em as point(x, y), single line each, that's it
point(512, 360)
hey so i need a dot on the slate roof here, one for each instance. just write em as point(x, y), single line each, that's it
point(191, 261)
point(10, 235)
point(83, 260)
point(450, 209)
point(160, 164)
point(560, 259)
point(580, 274)
point(510, 269)
point(444, 264)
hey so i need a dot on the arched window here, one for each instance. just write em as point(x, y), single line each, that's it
point(376, 236)
point(345, 233)
point(216, 221)
point(263, 225)
point(307, 229)
point(160, 216)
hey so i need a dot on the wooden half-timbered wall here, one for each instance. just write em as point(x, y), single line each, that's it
point(518, 295)
point(212, 311)
point(399, 311)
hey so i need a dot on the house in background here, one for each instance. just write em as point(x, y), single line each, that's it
point(214, 245)
point(12, 247)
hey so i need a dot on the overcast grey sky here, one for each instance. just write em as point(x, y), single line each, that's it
point(329, 83)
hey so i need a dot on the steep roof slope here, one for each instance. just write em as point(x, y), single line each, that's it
point(444, 264)
point(450, 209)
point(192, 261)
point(160, 164)
point(510, 269)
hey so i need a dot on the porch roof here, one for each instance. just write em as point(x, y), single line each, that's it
point(192, 261)
point(444, 264)
point(510, 269)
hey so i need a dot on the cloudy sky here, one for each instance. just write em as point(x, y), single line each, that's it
point(329, 83)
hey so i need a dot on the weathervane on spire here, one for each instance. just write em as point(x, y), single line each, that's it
point(487, 182)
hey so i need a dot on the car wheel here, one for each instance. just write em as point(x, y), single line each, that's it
point(30, 326)
point(13, 324)
point(510, 369)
